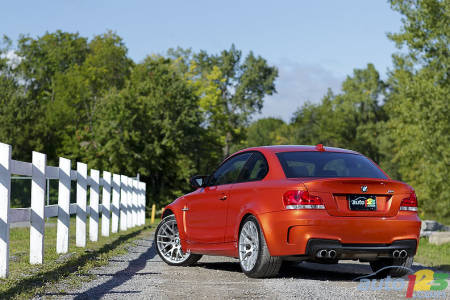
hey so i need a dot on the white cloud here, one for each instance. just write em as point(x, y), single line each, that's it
point(296, 84)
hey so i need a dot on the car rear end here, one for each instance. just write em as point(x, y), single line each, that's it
point(340, 205)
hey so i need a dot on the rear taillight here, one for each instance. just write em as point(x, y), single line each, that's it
point(298, 199)
point(409, 203)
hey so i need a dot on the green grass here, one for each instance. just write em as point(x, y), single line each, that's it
point(433, 255)
point(27, 280)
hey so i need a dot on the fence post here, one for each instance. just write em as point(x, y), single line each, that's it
point(5, 192)
point(145, 201)
point(130, 202)
point(62, 238)
point(141, 203)
point(37, 221)
point(115, 203)
point(123, 202)
point(106, 203)
point(93, 204)
point(135, 203)
point(81, 204)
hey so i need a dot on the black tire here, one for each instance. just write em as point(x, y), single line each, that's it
point(266, 265)
point(189, 260)
point(404, 263)
point(287, 265)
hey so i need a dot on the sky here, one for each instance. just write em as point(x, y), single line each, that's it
point(314, 44)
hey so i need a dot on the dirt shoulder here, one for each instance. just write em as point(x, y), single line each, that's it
point(142, 275)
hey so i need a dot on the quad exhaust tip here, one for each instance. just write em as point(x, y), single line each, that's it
point(322, 253)
point(326, 253)
point(400, 253)
point(331, 254)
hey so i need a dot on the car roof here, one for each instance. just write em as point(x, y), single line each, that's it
point(294, 148)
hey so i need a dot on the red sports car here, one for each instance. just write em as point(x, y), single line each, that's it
point(266, 205)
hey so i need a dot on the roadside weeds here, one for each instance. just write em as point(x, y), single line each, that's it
point(27, 281)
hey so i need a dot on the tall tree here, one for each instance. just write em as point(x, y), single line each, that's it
point(348, 119)
point(425, 33)
point(266, 131)
point(43, 57)
point(150, 127)
point(62, 75)
point(18, 116)
point(79, 89)
point(418, 103)
point(40, 60)
point(235, 89)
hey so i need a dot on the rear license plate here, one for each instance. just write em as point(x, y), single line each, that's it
point(362, 202)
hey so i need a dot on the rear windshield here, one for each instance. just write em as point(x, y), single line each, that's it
point(327, 165)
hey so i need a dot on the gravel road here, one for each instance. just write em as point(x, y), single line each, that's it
point(141, 274)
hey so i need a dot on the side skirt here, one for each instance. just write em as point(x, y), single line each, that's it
point(219, 249)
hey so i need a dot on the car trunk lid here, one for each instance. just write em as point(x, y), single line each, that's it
point(337, 193)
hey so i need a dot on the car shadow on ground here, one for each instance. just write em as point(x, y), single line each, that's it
point(220, 266)
point(304, 270)
point(344, 271)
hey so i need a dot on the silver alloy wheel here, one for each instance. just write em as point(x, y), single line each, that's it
point(248, 245)
point(168, 242)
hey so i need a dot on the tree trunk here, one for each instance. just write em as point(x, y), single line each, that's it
point(227, 146)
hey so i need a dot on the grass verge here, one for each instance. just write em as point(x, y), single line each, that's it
point(27, 280)
point(433, 255)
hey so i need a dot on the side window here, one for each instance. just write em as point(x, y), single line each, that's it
point(255, 169)
point(230, 170)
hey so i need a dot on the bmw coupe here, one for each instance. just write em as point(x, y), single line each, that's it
point(266, 205)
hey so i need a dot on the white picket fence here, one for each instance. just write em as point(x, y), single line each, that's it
point(125, 210)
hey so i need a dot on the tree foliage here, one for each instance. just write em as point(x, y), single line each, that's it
point(149, 127)
point(169, 117)
point(418, 102)
point(232, 89)
point(402, 123)
point(265, 132)
point(350, 119)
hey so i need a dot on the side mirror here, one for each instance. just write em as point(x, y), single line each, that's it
point(198, 181)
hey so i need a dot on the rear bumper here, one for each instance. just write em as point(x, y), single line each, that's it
point(360, 251)
point(288, 232)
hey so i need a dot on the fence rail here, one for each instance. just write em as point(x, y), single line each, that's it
point(127, 206)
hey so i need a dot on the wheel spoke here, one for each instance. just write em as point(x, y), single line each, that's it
point(162, 242)
point(248, 235)
point(164, 236)
point(164, 231)
point(248, 245)
point(173, 231)
point(168, 243)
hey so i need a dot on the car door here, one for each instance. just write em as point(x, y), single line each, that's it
point(206, 209)
point(245, 191)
